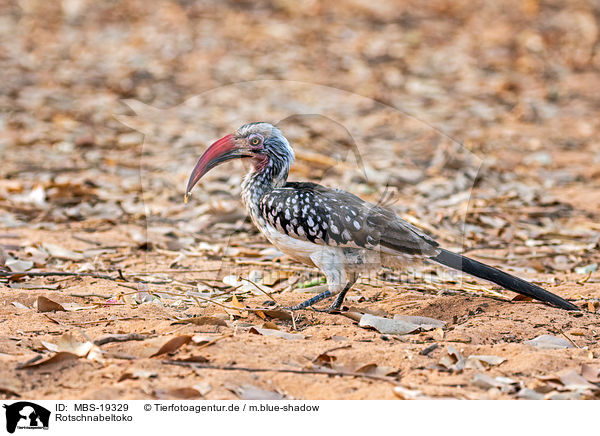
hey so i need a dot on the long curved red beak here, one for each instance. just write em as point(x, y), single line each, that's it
point(220, 151)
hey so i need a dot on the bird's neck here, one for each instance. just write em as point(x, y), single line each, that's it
point(260, 180)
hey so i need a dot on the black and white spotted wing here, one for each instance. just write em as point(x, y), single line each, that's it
point(334, 217)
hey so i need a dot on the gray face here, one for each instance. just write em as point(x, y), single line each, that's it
point(267, 140)
point(264, 129)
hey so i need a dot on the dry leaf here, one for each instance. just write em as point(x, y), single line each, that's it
point(59, 252)
point(549, 342)
point(573, 381)
point(46, 305)
point(409, 394)
point(250, 392)
point(374, 369)
point(482, 362)
point(277, 333)
point(179, 393)
point(203, 387)
point(453, 360)
point(529, 394)
point(61, 356)
point(241, 312)
point(325, 360)
point(273, 277)
point(278, 314)
point(386, 325)
point(68, 343)
point(172, 345)
point(17, 265)
point(520, 297)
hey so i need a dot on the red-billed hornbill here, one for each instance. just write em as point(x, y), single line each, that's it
point(331, 229)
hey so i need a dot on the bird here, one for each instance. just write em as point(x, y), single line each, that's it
point(333, 230)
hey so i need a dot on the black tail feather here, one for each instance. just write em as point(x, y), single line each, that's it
point(512, 283)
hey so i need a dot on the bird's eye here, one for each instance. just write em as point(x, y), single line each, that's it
point(255, 140)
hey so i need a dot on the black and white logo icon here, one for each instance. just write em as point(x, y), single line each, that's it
point(26, 415)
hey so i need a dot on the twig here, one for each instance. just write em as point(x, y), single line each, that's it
point(214, 341)
point(129, 318)
point(11, 275)
point(120, 338)
point(341, 347)
point(56, 273)
point(569, 339)
point(210, 300)
point(585, 279)
point(273, 264)
point(261, 289)
point(106, 297)
point(282, 370)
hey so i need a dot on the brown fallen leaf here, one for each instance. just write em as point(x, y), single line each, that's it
point(325, 360)
point(68, 343)
point(172, 345)
point(278, 314)
point(374, 369)
point(236, 308)
point(273, 277)
point(520, 297)
point(61, 356)
point(46, 305)
point(354, 316)
point(9, 391)
point(185, 393)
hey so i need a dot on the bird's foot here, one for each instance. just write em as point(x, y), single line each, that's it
point(335, 306)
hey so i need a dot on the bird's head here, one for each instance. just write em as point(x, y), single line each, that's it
point(263, 143)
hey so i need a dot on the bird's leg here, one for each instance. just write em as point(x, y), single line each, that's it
point(331, 264)
point(334, 306)
point(311, 301)
point(337, 304)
